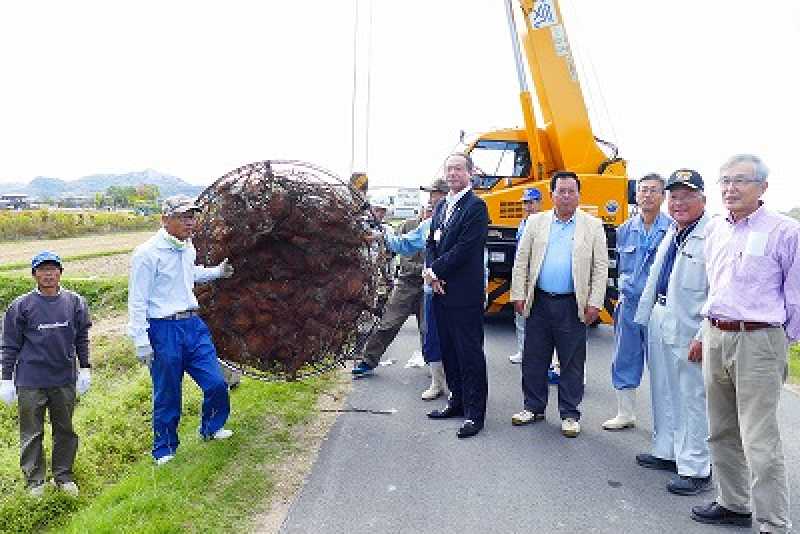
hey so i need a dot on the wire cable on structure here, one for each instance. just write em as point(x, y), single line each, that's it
point(355, 85)
point(369, 88)
point(589, 77)
point(588, 54)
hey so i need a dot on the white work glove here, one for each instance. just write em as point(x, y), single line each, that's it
point(225, 269)
point(8, 393)
point(84, 380)
point(145, 354)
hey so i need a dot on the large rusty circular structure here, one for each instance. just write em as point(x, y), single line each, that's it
point(307, 289)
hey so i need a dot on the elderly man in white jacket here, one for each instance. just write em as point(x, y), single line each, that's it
point(670, 307)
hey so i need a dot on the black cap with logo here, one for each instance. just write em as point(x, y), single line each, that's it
point(685, 177)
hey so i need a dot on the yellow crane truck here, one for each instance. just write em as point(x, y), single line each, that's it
point(512, 160)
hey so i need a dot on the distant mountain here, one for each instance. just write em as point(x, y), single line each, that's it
point(46, 187)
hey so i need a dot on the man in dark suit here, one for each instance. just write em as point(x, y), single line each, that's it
point(454, 255)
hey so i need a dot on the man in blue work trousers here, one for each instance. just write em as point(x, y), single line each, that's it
point(637, 242)
point(169, 336)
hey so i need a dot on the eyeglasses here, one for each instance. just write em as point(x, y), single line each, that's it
point(737, 180)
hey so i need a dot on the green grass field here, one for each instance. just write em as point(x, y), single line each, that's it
point(794, 364)
point(209, 487)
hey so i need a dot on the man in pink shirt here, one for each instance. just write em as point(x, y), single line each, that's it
point(752, 314)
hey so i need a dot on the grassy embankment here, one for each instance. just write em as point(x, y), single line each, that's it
point(209, 487)
point(46, 224)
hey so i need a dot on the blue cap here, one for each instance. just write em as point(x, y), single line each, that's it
point(532, 194)
point(44, 256)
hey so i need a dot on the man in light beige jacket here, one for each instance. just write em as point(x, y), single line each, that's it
point(559, 285)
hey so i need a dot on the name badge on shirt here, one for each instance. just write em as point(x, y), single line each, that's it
point(437, 235)
point(756, 244)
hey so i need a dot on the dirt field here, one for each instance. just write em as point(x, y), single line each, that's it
point(17, 251)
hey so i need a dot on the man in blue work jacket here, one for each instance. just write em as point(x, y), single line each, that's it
point(637, 241)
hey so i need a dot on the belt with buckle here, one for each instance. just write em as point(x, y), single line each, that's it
point(661, 299)
point(739, 326)
point(180, 315)
point(544, 293)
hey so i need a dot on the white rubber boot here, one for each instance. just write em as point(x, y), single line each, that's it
point(626, 401)
point(438, 382)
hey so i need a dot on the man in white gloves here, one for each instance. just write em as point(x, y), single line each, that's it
point(43, 333)
point(168, 334)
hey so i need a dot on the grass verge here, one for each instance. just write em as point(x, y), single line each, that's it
point(794, 363)
point(88, 256)
point(209, 487)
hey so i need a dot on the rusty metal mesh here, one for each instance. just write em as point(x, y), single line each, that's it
point(307, 289)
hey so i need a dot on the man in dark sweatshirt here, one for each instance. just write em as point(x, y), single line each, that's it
point(43, 332)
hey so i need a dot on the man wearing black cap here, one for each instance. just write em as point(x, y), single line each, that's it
point(671, 308)
point(44, 332)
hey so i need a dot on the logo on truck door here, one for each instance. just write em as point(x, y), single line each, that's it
point(543, 14)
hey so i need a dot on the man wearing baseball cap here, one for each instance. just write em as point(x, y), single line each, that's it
point(44, 332)
point(531, 203)
point(167, 332)
point(671, 308)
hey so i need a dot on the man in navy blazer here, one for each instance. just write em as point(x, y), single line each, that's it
point(454, 256)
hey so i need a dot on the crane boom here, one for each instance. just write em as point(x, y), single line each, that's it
point(517, 158)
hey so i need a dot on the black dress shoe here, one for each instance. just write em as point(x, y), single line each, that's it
point(447, 412)
point(654, 462)
point(469, 429)
point(684, 485)
point(714, 514)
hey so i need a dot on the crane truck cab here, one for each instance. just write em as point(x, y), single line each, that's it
point(561, 139)
point(503, 171)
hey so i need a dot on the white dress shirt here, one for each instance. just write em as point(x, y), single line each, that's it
point(450, 205)
point(162, 282)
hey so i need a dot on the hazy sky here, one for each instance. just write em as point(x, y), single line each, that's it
point(197, 88)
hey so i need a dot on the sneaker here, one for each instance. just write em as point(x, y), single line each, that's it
point(683, 485)
point(714, 514)
point(570, 427)
point(70, 488)
point(654, 462)
point(222, 433)
point(515, 358)
point(362, 369)
point(36, 491)
point(164, 459)
point(416, 360)
point(525, 417)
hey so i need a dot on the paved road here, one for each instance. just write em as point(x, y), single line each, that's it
point(405, 473)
